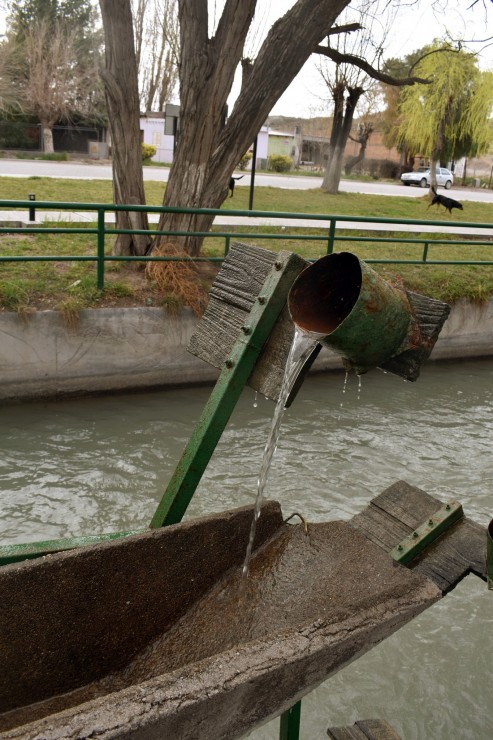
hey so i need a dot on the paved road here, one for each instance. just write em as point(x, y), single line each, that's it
point(95, 171)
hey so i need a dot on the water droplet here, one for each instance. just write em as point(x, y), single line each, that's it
point(346, 377)
point(359, 386)
point(255, 402)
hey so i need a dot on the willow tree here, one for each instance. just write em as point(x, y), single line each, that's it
point(449, 118)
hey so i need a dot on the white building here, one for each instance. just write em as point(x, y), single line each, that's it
point(152, 127)
point(152, 132)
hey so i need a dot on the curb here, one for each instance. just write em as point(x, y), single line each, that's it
point(116, 350)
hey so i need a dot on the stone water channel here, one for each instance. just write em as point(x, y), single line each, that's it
point(90, 465)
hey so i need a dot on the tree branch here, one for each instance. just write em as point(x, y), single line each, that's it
point(433, 51)
point(347, 28)
point(340, 58)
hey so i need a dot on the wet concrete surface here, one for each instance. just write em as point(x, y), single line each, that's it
point(330, 588)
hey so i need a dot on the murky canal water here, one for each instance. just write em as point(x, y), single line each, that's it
point(92, 465)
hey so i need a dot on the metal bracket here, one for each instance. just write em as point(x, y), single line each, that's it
point(426, 533)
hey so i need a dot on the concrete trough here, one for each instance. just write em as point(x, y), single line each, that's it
point(158, 635)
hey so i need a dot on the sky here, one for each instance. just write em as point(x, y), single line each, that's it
point(417, 23)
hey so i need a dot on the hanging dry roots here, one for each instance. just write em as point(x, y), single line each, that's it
point(179, 278)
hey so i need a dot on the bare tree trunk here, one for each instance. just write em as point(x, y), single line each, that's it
point(208, 149)
point(332, 177)
point(464, 173)
point(156, 31)
point(121, 89)
point(47, 130)
point(365, 130)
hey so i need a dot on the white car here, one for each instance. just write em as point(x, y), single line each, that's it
point(422, 177)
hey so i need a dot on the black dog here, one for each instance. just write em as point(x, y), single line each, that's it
point(232, 184)
point(442, 200)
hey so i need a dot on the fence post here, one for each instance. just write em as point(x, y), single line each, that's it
point(32, 209)
point(227, 245)
point(332, 231)
point(425, 252)
point(100, 262)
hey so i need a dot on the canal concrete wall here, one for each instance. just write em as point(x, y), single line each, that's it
point(112, 349)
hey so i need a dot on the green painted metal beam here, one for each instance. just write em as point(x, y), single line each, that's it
point(230, 384)
point(290, 723)
point(31, 550)
point(489, 555)
point(427, 532)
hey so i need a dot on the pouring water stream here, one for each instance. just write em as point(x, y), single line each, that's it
point(302, 346)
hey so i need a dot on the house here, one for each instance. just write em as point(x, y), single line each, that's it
point(152, 132)
point(281, 142)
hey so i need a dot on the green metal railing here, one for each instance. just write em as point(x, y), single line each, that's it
point(329, 223)
point(245, 351)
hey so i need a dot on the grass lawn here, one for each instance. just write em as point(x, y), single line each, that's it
point(71, 286)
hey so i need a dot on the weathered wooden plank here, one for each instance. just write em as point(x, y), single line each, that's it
point(377, 729)
point(459, 551)
point(381, 529)
point(236, 287)
point(346, 733)
point(365, 729)
point(430, 316)
point(397, 511)
point(406, 503)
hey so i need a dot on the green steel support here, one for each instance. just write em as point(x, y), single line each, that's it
point(489, 555)
point(290, 723)
point(31, 550)
point(332, 234)
point(227, 391)
point(100, 262)
point(426, 533)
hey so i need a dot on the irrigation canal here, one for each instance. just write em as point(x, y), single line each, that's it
point(84, 466)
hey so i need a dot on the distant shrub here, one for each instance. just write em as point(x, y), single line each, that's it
point(243, 163)
point(389, 169)
point(280, 163)
point(55, 156)
point(377, 168)
point(148, 151)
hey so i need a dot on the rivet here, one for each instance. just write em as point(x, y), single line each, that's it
point(415, 534)
point(261, 299)
point(430, 522)
point(278, 265)
point(400, 547)
point(448, 507)
point(246, 329)
point(229, 363)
